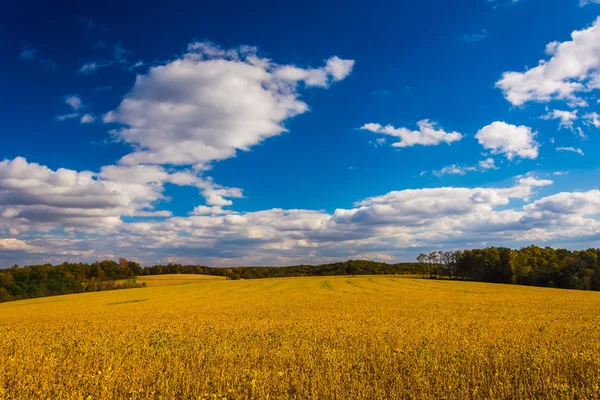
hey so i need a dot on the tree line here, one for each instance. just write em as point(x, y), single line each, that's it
point(352, 267)
point(18, 283)
point(533, 265)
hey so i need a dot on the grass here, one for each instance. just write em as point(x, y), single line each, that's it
point(189, 337)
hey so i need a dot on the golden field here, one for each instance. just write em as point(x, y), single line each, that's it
point(193, 337)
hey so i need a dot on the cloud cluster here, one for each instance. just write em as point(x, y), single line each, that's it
point(211, 103)
point(392, 225)
point(428, 134)
point(87, 208)
point(573, 69)
point(36, 198)
point(75, 102)
point(566, 117)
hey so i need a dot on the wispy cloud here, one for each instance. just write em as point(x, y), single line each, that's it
point(570, 149)
point(105, 88)
point(381, 92)
point(501, 3)
point(138, 64)
point(86, 22)
point(118, 56)
point(457, 169)
point(65, 117)
point(29, 53)
point(473, 37)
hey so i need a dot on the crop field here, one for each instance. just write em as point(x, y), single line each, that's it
point(192, 337)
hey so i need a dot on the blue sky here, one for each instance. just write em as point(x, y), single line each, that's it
point(277, 133)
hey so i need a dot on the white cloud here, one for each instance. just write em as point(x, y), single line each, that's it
point(427, 135)
point(12, 244)
point(87, 119)
point(473, 37)
point(162, 213)
point(33, 196)
point(377, 142)
point(572, 69)
point(334, 70)
point(453, 169)
point(570, 149)
point(510, 140)
point(486, 164)
point(566, 117)
point(117, 56)
point(211, 103)
point(457, 169)
point(392, 226)
point(586, 2)
point(74, 101)
point(89, 67)
point(136, 65)
point(65, 117)
point(592, 119)
point(565, 204)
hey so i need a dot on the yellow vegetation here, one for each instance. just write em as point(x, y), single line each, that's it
point(328, 337)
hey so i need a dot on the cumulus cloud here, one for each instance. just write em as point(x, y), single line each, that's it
point(87, 119)
point(428, 134)
point(74, 101)
point(510, 140)
point(12, 244)
point(586, 2)
point(573, 69)
point(393, 224)
point(211, 103)
point(570, 149)
point(35, 197)
point(566, 203)
point(566, 117)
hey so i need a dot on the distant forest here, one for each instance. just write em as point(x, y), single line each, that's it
point(533, 266)
point(32, 281)
point(536, 266)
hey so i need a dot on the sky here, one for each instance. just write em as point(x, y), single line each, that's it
point(278, 133)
